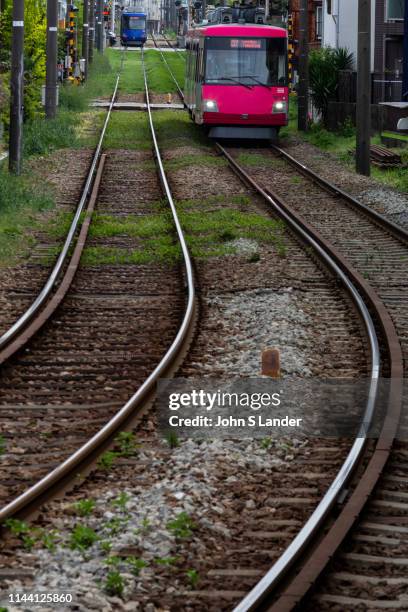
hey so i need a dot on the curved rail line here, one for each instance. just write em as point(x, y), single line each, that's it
point(79, 461)
point(18, 334)
point(170, 44)
point(356, 285)
point(374, 216)
point(180, 91)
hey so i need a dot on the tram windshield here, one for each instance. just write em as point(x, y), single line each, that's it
point(133, 22)
point(246, 61)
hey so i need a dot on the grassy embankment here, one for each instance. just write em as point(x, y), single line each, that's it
point(23, 199)
point(342, 143)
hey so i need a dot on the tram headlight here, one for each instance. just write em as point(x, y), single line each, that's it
point(279, 107)
point(210, 106)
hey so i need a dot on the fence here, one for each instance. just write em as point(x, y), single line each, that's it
point(385, 87)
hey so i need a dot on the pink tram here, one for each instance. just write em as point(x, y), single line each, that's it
point(236, 79)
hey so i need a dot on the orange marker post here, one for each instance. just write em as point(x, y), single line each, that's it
point(271, 363)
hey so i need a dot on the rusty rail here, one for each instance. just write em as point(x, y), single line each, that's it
point(79, 462)
point(304, 543)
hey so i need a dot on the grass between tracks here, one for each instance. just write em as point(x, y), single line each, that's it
point(208, 235)
point(159, 79)
point(173, 128)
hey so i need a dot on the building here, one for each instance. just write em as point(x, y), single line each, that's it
point(389, 36)
point(339, 25)
point(315, 22)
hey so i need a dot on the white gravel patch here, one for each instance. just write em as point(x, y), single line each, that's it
point(186, 481)
point(254, 321)
point(244, 246)
point(390, 201)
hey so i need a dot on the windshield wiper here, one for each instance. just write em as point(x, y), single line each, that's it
point(249, 76)
point(235, 80)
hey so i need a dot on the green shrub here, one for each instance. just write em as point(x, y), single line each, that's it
point(324, 66)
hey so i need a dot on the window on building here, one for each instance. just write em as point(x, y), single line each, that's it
point(394, 9)
point(329, 7)
point(319, 22)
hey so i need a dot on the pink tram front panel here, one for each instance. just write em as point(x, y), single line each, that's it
point(237, 75)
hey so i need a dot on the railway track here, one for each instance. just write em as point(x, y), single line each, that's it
point(383, 285)
point(83, 358)
point(241, 563)
point(170, 45)
point(282, 527)
point(334, 213)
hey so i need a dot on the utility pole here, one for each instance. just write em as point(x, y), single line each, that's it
point(16, 87)
point(303, 95)
point(99, 25)
point(113, 17)
point(405, 60)
point(51, 58)
point(91, 30)
point(363, 88)
point(85, 40)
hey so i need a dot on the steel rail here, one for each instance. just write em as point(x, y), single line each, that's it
point(392, 227)
point(180, 91)
point(69, 468)
point(45, 292)
point(180, 54)
point(337, 264)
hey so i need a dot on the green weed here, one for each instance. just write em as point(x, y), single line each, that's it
point(114, 584)
point(121, 501)
point(82, 537)
point(84, 507)
point(255, 159)
point(113, 561)
point(182, 526)
point(106, 546)
point(145, 528)
point(17, 527)
point(165, 560)
point(115, 525)
point(107, 460)
point(128, 447)
point(172, 439)
point(135, 565)
point(193, 577)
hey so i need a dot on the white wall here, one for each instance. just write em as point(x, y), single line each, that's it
point(153, 10)
point(340, 28)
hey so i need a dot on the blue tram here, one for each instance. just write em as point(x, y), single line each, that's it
point(133, 28)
